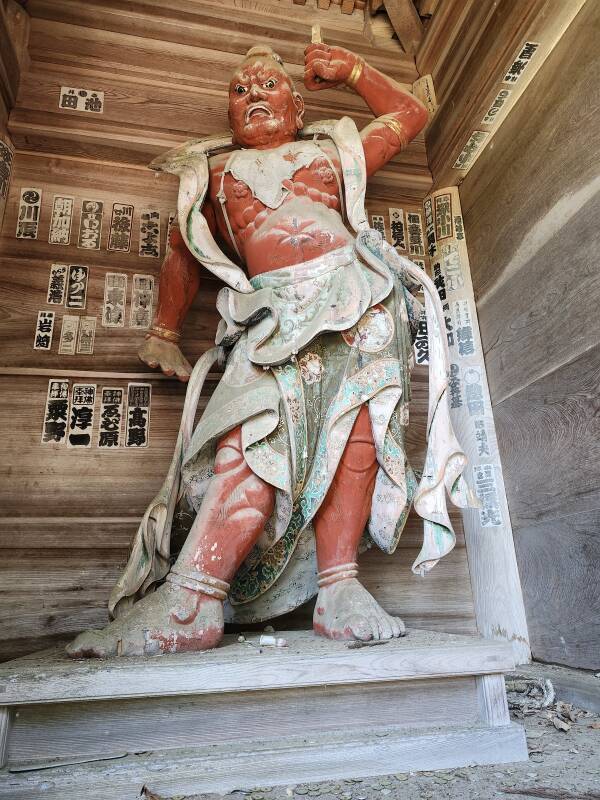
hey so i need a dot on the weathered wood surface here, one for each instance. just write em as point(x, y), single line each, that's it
point(468, 47)
point(5, 725)
point(56, 575)
point(163, 82)
point(172, 73)
point(558, 560)
point(291, 761)
point(308, 660)
point(549, 436)
point(71, 729)
point(70, 501)
point(407, 23)
point(492, 699)
point(533, 236)
point(543, 270)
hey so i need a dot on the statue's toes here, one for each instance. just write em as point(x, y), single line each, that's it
point(362, 629)
point(91, 644)
point(398, 627)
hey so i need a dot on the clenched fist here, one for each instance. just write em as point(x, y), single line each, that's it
point(326, 66)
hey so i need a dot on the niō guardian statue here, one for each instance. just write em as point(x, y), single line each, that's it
point(300, 450)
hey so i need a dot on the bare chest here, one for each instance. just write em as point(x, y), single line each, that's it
point(246, 201)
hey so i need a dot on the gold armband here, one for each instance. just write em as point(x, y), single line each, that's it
point(357, 69)
point(164, 333)
point(395, 126)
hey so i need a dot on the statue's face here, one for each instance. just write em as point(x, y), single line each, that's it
point(264, 110)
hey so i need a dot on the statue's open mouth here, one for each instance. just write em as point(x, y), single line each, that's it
point(258, 109)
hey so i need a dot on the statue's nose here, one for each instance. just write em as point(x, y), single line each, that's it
point(256, 92)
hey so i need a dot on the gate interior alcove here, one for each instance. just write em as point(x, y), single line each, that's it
point(68, 516)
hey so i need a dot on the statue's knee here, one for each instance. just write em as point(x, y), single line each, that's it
point(229, 452)
point(360, 454)
point(259, 495)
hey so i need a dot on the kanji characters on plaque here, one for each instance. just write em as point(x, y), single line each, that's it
point(60, 219)
point(77, 286)
point(81, 100)
point(119, 235)
point(140, 315)
point(115, 294)
point(68, 335)
point(44, 330)
point(111, 416)
point(56, 414)
point(138, 414)
point(149, 234)
point(57, 285)
point(521, 62)
point(83, 399)
point(28, 219)
point(90, 224)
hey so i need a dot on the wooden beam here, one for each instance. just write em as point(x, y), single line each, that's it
point(426, 8)
point(476, 84)
point(407, 23)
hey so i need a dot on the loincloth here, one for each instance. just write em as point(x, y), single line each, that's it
point(296, 416)
point(309, 346)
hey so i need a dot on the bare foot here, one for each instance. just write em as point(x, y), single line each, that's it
point(345, 610)
point(170, 620)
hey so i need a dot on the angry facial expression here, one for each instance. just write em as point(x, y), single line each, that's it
point(264, 109)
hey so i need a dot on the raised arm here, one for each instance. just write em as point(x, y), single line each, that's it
point(400, 116)
point(178, 285)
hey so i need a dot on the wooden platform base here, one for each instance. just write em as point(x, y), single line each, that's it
point(240, 717)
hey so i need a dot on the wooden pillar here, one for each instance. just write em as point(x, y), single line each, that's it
point(488, 534)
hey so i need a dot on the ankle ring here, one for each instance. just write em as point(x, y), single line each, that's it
point(339, 573)
point(200, 582)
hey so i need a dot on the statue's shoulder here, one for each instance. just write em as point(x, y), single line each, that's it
point(188, 153)
point(217, 161)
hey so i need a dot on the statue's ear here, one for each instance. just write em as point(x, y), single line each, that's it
point(299, 103)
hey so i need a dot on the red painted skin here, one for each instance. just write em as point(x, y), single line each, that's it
point(269, 239)
point(306, 225)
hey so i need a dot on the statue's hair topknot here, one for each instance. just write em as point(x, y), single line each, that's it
point(263, 50)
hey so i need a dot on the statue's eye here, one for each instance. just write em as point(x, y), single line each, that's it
point(270, 84)
point(239, 89)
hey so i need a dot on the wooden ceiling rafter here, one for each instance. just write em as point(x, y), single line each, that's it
point(407, 23)
point(164, 82)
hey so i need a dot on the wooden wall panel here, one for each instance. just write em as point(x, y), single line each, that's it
point(531, 208)
point(557, 416)
point(468, 48)
point(67, 517)
point(563, 612)
point(56, 575)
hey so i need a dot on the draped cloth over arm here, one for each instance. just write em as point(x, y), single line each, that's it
point(251, 313)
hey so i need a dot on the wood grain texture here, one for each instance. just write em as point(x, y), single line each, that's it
point(533, 240)
point(492, 700)
point(557, 417)
point(72, 729)
point(407, 23)
point(536, 288)
point(486, 38)
point(68, 517)
point(559, 570)
point(308, 660)
point(287, 762)
point(5, 726)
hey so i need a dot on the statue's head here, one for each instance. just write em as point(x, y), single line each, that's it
point(265, 110)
